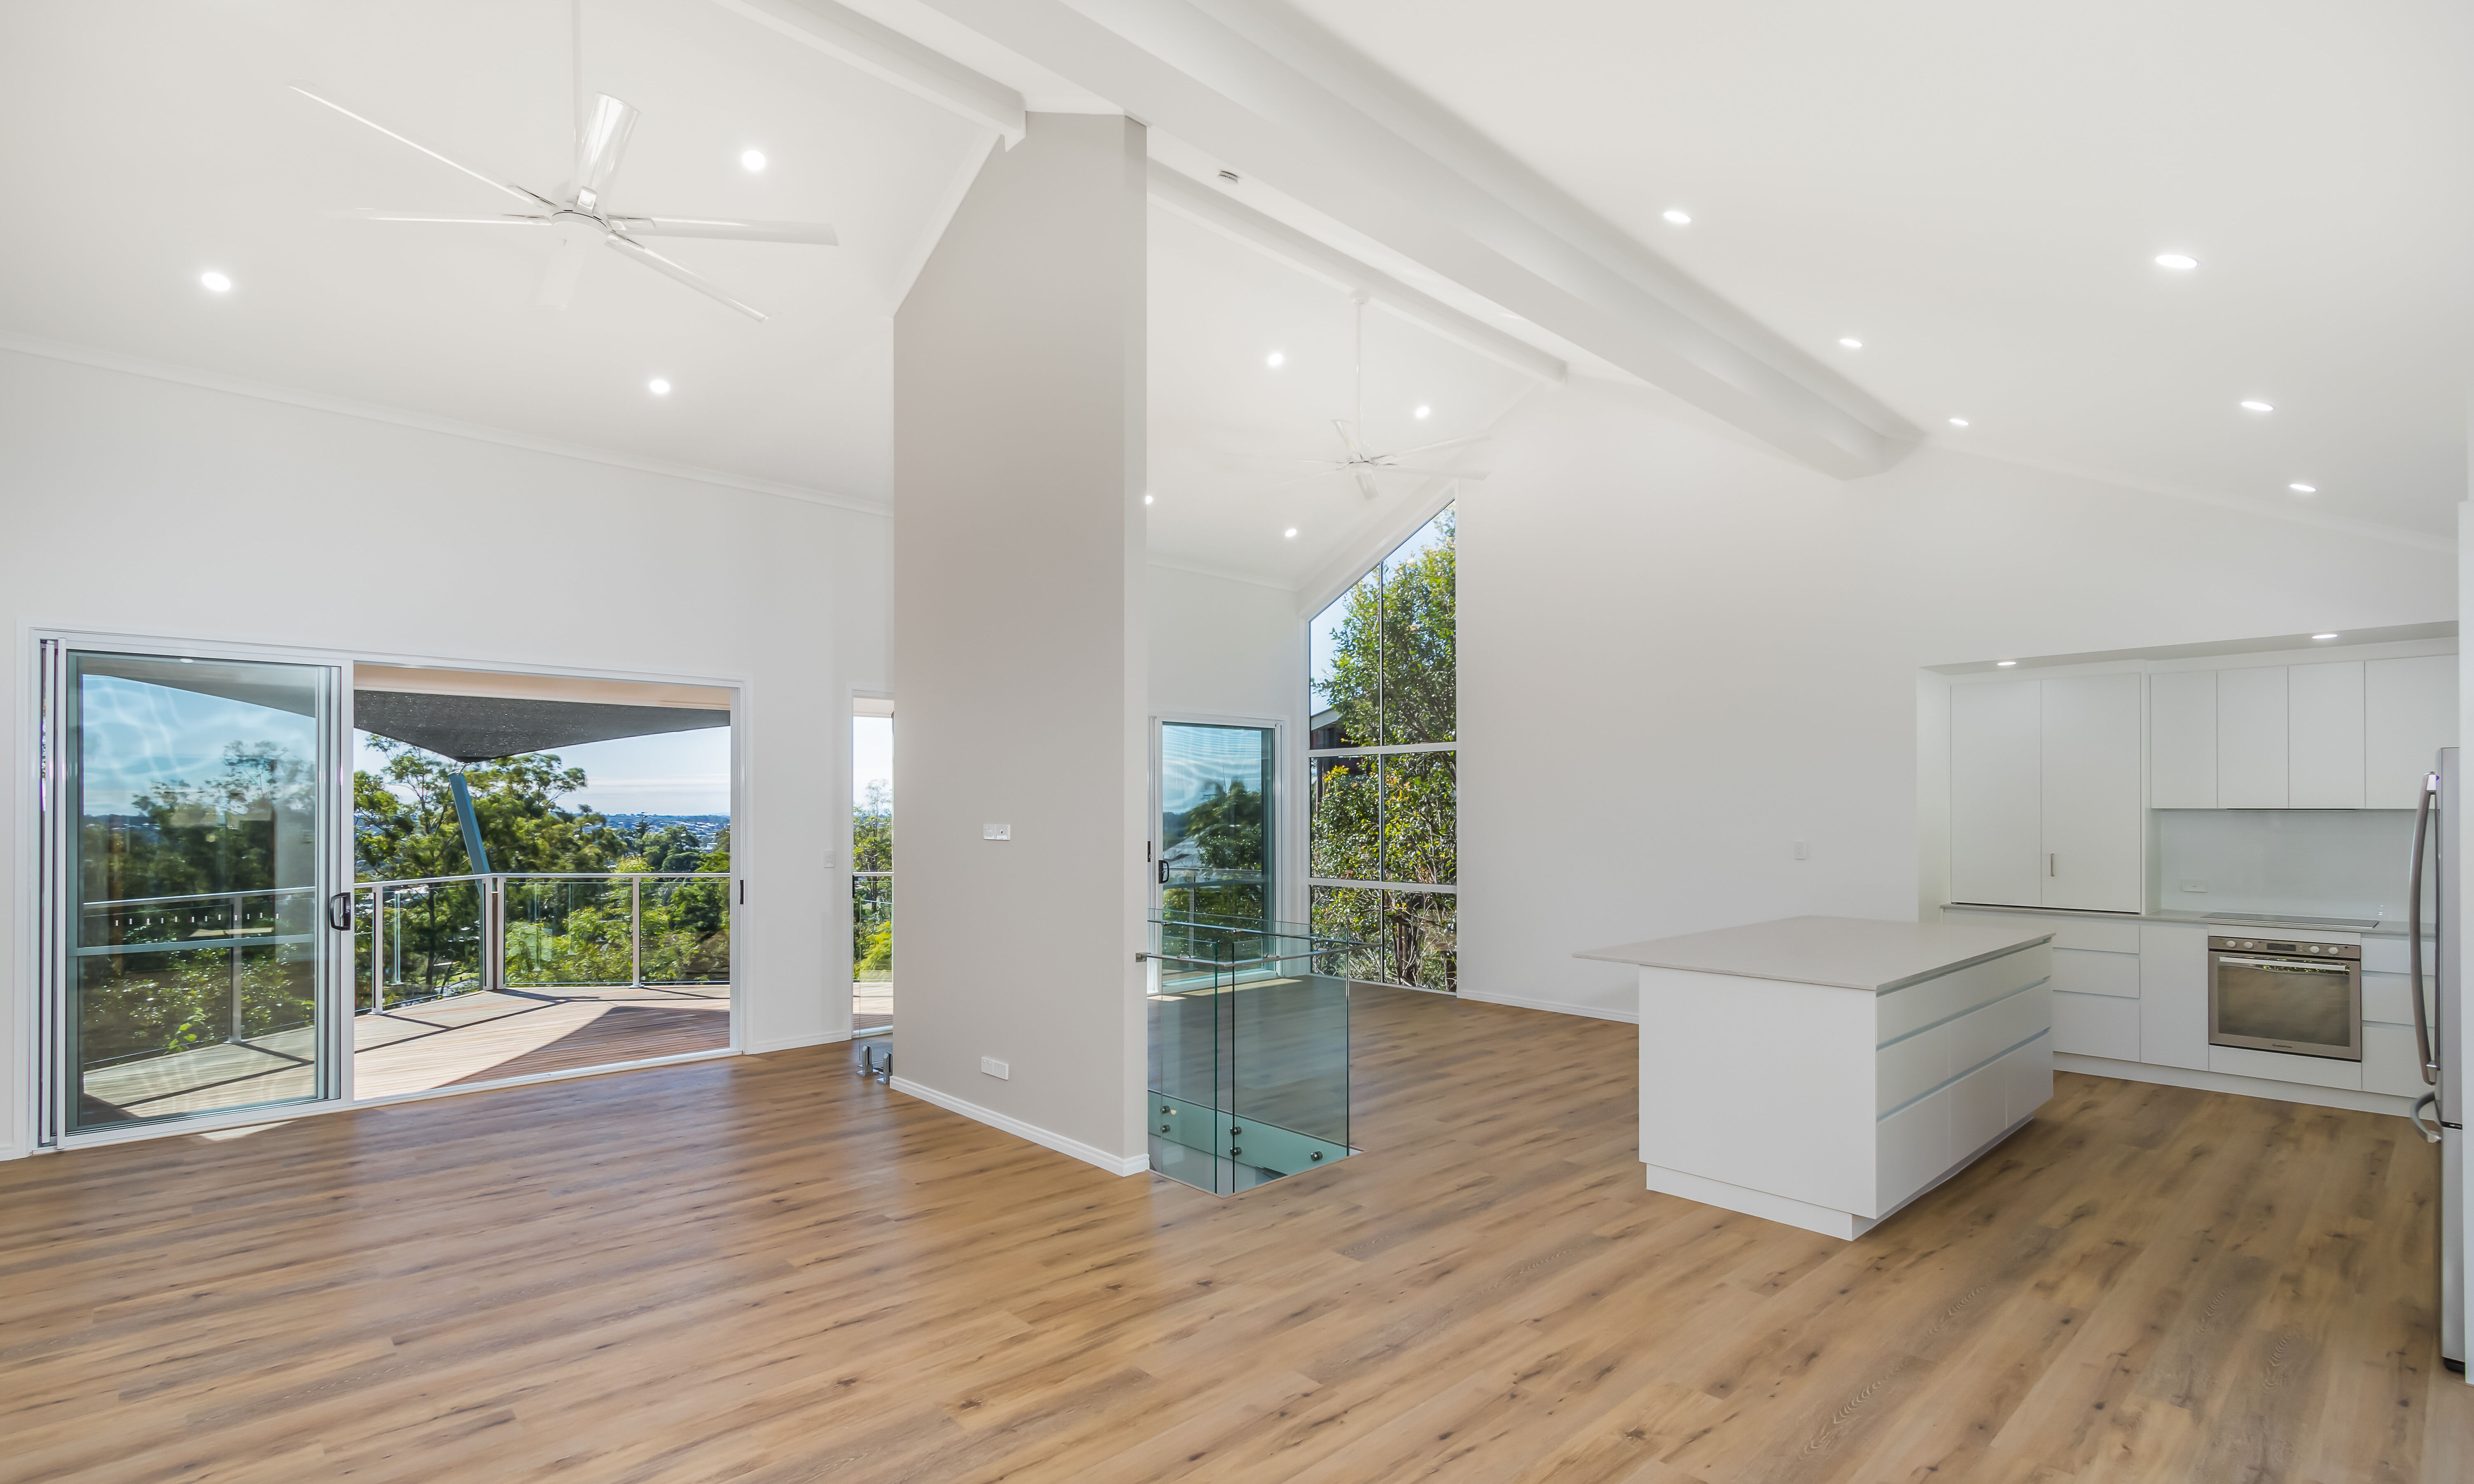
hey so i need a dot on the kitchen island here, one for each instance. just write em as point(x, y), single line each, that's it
point(1825, 1071)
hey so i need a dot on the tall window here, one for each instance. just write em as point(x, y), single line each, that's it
point(1383, 852)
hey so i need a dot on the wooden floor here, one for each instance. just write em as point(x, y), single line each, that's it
point(766, 1269)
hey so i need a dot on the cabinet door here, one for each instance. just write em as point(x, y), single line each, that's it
point(2409, 714)
point(2182, 740)
point(2095, 847)
point(1995, 831)
point(2250, 738)
point(2324, 732)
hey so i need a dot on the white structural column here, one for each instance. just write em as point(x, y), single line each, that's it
point(1019, 613)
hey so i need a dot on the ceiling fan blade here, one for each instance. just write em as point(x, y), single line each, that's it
point(559, 275)
point(601, 149)
point(813, 234)
point(1365, 482)
point(1438, 474)
point(517, 191)
point(1429, 447)
point(663, 265)
point(1349, 436)
point(1323, 473)
point(373, 214)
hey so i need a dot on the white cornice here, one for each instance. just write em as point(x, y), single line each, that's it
point(158, 370)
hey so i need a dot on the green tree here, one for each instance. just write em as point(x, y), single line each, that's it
point(872, 896)
point(405, 825)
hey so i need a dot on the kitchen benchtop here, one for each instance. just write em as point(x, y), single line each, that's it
point(1844, 953)
point(2252, 922)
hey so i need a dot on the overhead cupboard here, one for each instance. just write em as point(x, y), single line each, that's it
point(2051, 779)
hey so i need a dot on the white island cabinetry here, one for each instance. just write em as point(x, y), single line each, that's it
point(1825, 1071)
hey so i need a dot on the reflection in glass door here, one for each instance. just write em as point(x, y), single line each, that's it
point(1215, 836)
point(189, 811)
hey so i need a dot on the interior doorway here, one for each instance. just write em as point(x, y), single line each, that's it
point(871, 866)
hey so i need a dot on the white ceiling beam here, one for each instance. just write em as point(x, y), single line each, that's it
point(1201, 204)
point(1304, 116)
point(888, 55)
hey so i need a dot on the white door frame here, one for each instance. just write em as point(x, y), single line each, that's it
point(37, 1058)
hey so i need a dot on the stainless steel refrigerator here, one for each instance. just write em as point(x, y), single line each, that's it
point(2442, 1034)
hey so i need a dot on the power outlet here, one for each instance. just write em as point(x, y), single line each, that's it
point(995, 1068)
point(996, 832)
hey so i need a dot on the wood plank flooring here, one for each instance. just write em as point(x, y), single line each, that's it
point(766, 1269)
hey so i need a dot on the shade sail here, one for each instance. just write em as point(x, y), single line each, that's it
point(476, 728)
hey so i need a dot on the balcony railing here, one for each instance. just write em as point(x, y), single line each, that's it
point(439, 935)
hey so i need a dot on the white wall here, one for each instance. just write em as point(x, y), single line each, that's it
point(1679, 655)
point(1020, 625)
point(140, 505)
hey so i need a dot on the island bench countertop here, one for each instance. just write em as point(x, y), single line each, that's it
point(1845, 952)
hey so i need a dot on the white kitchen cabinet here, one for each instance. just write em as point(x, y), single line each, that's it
point(2323, 736)
point(2174, 994)
point(2115, 974)
point(2094, 827)
point(1996, 838)
point(2045, 793)
point(2392, 1062)
point(2095, 1024)
point(2409, 714)
point(2182, 740)
point(2251, 737)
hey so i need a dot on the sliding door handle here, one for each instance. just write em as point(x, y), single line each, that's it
point(339, 912)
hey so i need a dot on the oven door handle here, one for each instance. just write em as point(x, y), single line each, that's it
point(2290, 965)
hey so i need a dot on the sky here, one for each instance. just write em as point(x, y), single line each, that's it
point(668, 773)
point(871, 754)
point(138, 736)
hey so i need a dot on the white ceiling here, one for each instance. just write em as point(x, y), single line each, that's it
point(152, 140)
point(1977, 193)
point(1230, 434)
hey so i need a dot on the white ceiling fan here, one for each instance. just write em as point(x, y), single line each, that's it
point(578, 210)
point(1362, 464)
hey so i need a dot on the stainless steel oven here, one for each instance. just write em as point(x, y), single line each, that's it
point(2271, 995)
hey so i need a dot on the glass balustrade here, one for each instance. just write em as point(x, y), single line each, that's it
point(1248, 1050)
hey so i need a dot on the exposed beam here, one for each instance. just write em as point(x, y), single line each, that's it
point(1303, 115)
point(887, 55)
point(1198, 201)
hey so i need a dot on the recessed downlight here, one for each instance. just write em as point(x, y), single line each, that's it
point(2003, 663)
point(1147, 500)
point(1422, 413)
point(2303, 489)
point(752, 159)
point(659, 387)
point(2179, 262)
point(1851, 342)
point(1274, 360)
point(215, 283)
point(2254, 404)
point(2327, 636)
point(1291, 534)
point(1677, 217)
point(1958, 422)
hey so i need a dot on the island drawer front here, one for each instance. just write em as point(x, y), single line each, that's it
point(1907, 1069)
point(1919, 1143)
point(1903, 1013)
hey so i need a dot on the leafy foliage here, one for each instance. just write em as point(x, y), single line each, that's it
point(872, 896)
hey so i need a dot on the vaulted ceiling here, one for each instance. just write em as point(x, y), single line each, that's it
point(1977, 194)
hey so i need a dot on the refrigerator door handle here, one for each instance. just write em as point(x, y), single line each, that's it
point(2414, 930)
point(2430, 1131)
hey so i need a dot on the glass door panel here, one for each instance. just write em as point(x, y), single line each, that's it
point(1214, 834)
point(193, 828)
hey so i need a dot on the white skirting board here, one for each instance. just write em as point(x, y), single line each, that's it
point(1088, 1154)
point(1557, 1006)
point(2227, 1081)
point(1787, 1212)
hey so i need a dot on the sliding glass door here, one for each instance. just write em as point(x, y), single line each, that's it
point(1214, 860)
point(190, 813)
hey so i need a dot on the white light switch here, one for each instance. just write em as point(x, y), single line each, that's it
point(995, 1068)
point(996, 832)
point(1803, 851)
